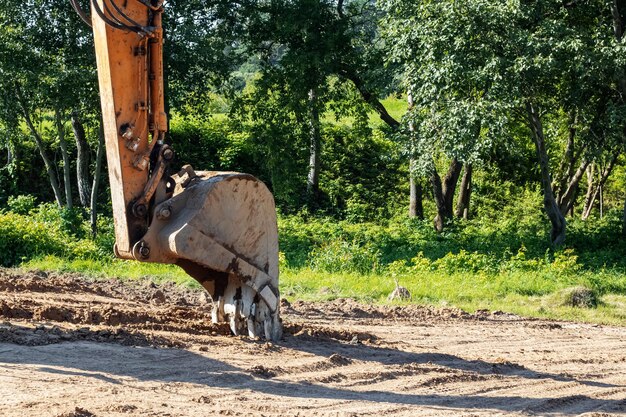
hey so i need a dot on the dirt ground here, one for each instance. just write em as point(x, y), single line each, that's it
point(74, 347)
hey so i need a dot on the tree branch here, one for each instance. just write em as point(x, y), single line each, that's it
point(370, 98)
point(340, 8)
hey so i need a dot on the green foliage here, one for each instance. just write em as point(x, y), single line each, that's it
point(272, 116)
point(50, 230)
point(495, 247)
point(21, 239)
point(21, 204)
point(66, 221)
point(338, 256)
point(200, 53)
point(466, 262)
point(213, 144)
point(361, 173)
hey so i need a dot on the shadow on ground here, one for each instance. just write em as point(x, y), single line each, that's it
point(113, 363)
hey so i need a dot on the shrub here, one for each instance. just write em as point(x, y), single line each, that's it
point(62, 219)
point(342, 256)
point(578, 296)
point(50, 230)
point(22, 239)
point(565, 261)
point(466, 262)
point(21, 204)
point(105, 238)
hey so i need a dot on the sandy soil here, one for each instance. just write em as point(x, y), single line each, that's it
point(74, 347)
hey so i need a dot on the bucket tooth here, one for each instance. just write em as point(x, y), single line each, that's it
point(217, 314)
point(252, 322)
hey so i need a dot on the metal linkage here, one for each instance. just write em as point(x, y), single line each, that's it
point(140, 207)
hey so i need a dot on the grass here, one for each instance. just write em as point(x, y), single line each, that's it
point(396, 107)
point(500, 263)
point(119, 269)
point(531, 294)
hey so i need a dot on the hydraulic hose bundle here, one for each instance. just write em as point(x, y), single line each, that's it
point(114, 16)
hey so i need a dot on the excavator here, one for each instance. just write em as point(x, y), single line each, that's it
point(219, 227)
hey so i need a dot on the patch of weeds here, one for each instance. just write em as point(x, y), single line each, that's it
point(578, 296)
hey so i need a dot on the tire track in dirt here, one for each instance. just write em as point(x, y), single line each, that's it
point(152, 350)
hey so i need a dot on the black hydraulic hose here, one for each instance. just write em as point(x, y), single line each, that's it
point(83, 16)
point(110, 22)
point(125, 16)
point(113, 17)
point(148, 3)
point(100, 13)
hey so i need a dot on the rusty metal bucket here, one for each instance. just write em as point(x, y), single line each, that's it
point(220, 227)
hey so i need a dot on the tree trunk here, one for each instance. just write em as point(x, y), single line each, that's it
point(369, 97)
point(449, 186)
point(10, 156)
point(601, 202)
point(443, 192)
point(618, 10)
point(435, 180)
point(58, 121)
point(416, 206)
point(590, 171)
point(624, 220)
point(557, 234)
point(567, 188)
point(82, 161)
point(41, 148)
point(315, 139)
point(591, 196)
point(594, 197)
point(96, 182)
point(463, 202)
point(566, 200)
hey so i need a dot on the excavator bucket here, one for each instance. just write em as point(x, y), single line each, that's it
point(220, 227)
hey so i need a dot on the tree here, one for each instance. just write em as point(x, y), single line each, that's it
point(202, 50)
point(307, 45)
point(482, 66)
point(45, 57)
point(438, 46)
point(565, 63)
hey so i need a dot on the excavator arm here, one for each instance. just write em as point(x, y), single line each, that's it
point(220, 227)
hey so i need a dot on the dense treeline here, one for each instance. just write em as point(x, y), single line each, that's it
point(358, 110)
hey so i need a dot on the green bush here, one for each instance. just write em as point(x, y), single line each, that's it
point(62, 219)
point(213, 144)
point(466, 262)
point(341, 256)
point(361, 173)
point(502, 245)
point(105, 238)
point(50, 230)
point(21, 204)
point(22, 238)
point(510, 253)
